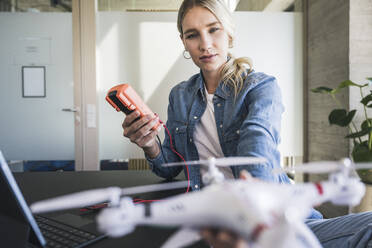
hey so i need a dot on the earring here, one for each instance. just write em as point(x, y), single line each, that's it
point(231, 45)
point(185, 53)
point(231, 42)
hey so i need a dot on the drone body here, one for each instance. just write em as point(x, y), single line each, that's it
point(220, 205)
point(264, 214)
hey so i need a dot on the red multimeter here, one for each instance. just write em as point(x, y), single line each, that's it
point(124, 98)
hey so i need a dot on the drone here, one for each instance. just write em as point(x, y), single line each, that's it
point(262, 213)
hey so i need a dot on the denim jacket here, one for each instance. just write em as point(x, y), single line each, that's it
point(247, 125)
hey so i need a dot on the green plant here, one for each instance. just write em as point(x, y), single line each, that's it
point(362, 136)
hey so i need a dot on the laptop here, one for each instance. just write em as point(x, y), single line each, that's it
point(20, 228)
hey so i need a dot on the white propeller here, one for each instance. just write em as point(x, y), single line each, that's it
point(324, 167)
point(153, 187)
point(94, 196)
point(223, 162)
point(361, 166)
point(76, 200)
point(312, 167)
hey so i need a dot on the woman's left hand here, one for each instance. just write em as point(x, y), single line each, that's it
point(223, 239)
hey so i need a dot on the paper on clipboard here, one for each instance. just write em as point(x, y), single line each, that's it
point(33, 81)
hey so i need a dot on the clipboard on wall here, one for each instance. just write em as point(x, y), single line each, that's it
point(33, 81)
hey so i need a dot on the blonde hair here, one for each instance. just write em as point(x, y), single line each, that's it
point(233, 72)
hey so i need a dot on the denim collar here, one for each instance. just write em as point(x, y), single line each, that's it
point(222, 90)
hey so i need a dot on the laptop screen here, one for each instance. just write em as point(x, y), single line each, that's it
point(17, 224)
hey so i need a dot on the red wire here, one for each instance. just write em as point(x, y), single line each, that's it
point(136, 201)
point(179, 155)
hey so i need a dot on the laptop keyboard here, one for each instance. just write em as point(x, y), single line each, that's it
point(59, 235)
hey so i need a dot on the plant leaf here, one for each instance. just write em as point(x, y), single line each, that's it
point(365, 124)
point(361, 153)
point(322, 89)
point(341, 117)
point(359, 134)
point(365, 129)
point(346, 83)
point(366, 99)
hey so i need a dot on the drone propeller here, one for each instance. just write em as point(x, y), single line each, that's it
point(312, 167)
point(324, 167)
point(361, 166)
point(222, 162)
point(95, 196)
point(153, 187)
point(76, 200)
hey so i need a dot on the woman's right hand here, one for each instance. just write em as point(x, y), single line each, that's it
point(139, 131)
point(224, 238)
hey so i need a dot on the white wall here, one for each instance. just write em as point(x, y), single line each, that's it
point(36, 128)
point(144, 49)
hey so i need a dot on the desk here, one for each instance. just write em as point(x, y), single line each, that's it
point(366, 202)
point(37, 186)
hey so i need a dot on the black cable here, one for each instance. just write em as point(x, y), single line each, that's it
point(161, 148)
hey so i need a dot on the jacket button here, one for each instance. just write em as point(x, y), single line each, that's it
point(218, 104)
point(190, 140)
point(195, 117)
point(196, 186)
point(221, 126)
point(176, 128)
point(237, 131)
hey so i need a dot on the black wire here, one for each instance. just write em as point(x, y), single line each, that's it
point(161, 148)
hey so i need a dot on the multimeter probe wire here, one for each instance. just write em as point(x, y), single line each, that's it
point(137, 200)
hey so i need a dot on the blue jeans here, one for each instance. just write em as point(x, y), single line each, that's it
point(351, 231)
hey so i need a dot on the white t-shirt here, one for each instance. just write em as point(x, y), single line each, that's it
point(206, 137)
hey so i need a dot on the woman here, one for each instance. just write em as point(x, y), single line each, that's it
point(225, 110)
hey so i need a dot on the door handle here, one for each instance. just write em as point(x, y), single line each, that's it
point(71, 110)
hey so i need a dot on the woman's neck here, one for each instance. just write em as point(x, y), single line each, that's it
point(211, 80)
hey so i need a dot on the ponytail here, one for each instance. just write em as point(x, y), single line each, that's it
point(234, 72)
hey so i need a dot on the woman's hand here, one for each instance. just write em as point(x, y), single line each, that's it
point(223, 238)
point(139, 131)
